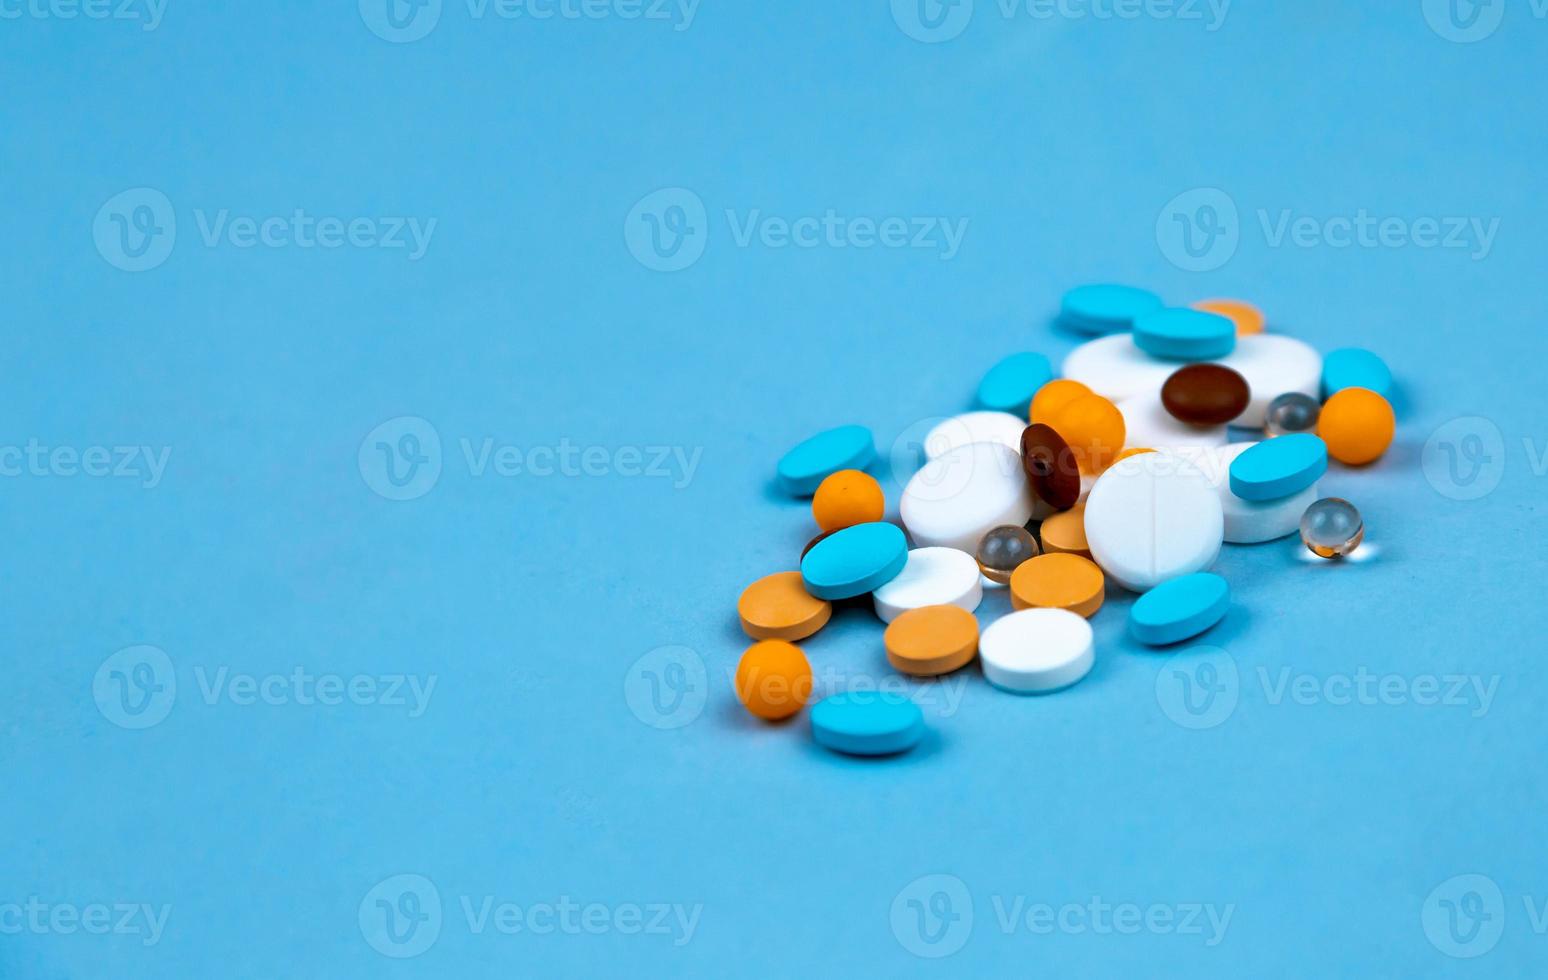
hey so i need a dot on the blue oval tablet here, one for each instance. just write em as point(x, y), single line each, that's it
point(1182, 608)
point(867, 723)
point(855, 560)
point(848, 447)
point(1010, 384)
point(1355, 367)
point(1183, 334)
point(1279, 467)
point(1106, 308)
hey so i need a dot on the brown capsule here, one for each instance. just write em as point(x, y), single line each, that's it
point(1205, 394)
point(1050, 466)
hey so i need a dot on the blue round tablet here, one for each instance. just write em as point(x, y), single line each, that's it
point(867, 723)
point(1183, 334)
point(1279, 467)
point(1106, 308)
point(848, 447)
point(854, 560)
point(1177, 610)
point(1354, 367)
point(1010, 384)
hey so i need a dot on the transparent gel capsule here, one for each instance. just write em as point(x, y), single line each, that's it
point(1332, 528)
point(1002, 549)
point(1291, 412)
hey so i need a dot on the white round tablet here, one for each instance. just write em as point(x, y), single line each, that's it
point(1116, 369)
point(970, 427)
point(957, 497)
point(931, 577)
point(1147, 423)
point(1273, 365)
point(1036, 651)
point(1152, 518)
point(1249, 521)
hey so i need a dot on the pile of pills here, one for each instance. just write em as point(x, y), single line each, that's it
point(1123, 470)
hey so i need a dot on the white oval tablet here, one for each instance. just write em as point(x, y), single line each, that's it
point(1152, 518)
point(970, 427)
point(1273, 365)
point(955, 498)
point(1036, 651)
point(1248, 521)
point(1116, 369)
point(931, 577)
point(1147, 423)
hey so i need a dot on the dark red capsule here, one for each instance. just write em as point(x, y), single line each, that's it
point(1050, 466)
point(1205, 394)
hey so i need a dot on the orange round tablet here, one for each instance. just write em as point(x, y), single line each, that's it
point(1066, 533)
point(774, 680)
point(847, 498)
point(931, 640)
point(1059, 581)
point(1248, 318)
point(1094, 429)
point(1053, 396)
point(1357, 424)
point(778, 607)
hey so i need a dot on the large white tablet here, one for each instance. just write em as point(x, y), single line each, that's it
point(1151, 518)
point(956, 497)
point(1036, 651)
point(931, 577)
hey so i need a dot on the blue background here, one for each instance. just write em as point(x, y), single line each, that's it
point(531, 774)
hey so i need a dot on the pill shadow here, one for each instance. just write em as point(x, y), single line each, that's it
point(931, 745)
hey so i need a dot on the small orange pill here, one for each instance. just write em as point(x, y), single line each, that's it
point(1059, 581)
point(847, 498)
point(1065, 533)
point(931, 640)
point(1094, 429)
point(774, 680)
point(1357, 424)
point(1247, 317)
point(778, 607)
point(1053, 396)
